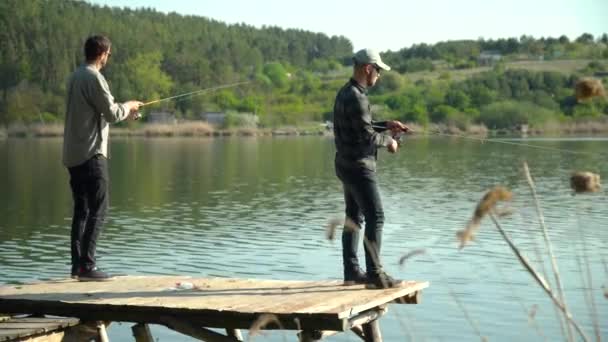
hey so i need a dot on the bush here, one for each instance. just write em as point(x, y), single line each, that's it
point(510, 114)
point(388, 82)
point(441, 112)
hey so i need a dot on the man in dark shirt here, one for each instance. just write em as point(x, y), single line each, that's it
point(357, 139)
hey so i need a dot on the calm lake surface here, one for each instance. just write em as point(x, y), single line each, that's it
point(257, 208)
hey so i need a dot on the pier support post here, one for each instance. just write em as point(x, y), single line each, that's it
point(371, 331)
point(310, 335)
point(142, 333)
point(101, 329)
point(236, 333)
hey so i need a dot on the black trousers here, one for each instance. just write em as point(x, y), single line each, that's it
point(89, 182)
point(362, 200)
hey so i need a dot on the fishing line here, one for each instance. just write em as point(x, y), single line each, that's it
point(554, 149)
point(196, 92)
point(483, 140)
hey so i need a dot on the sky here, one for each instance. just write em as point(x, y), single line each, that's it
point(395, 24)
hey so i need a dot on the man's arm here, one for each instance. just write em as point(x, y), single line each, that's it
point(379, 126)
point(394, 125)
point(363, 124)
point(105, 104)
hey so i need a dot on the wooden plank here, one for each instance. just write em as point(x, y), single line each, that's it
point(208, 318)
point(35, 328)
point(213, 302)
point(60, 321)
point(366, 317)
point(52, 337)
point(29, 325)
point(15, 333)
point(195, 331)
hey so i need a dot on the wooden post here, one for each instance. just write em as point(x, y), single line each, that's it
point(103, 334)
point(310, 335)
point(412, 298)
point(236, 333)
point(193, 330)
point(142, 333)
point(357, 330)
point(371, 331)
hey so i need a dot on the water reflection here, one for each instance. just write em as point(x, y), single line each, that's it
point(258, 207)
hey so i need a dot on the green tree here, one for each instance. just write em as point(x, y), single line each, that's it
point(277, 74)
point(145, 78)
point(457, 98)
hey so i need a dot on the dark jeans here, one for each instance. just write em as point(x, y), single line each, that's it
point(89, 182)
point(362, 201)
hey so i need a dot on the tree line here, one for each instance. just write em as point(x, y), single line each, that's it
point(464, 54)
point(293, 74)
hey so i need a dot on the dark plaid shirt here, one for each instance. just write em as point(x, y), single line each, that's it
point(356, 135)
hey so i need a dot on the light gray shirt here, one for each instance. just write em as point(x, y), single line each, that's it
point(90, 109)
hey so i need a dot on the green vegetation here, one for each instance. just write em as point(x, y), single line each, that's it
point(294, 74)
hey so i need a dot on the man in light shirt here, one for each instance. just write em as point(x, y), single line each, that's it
point(90, 110)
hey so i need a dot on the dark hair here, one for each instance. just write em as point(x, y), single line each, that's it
point(95, 46)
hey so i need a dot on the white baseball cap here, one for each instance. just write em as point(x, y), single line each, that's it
point(369, 56)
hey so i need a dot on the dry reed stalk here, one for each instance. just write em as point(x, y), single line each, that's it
point(589, 286)
point(47, 130)
point(539, 279)
point(261, 322)
point(334, 223)
point(531, 313)
point(407, 256)
point(605, 287)
point(485, 205)
point(533, 310)
point(460, 305)
point(584, 181)
point(540, 260)
point(541, 218)
point(588, 88)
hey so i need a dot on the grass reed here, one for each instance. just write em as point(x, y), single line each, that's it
point(539, 279)
point(548, 245)
point(584, 181)
point(588, 88)
point(485, 205)
point(262, 322)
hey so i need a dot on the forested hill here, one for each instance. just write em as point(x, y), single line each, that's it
point(294, 74)
point(42, 43)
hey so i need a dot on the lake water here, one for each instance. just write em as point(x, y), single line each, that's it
point(257, 208)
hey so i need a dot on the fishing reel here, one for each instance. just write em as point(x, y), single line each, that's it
point(399, 137)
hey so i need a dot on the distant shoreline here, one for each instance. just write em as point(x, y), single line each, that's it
point(202, 129)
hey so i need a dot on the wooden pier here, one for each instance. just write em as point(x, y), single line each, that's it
point(34, 329)
point(314, 309)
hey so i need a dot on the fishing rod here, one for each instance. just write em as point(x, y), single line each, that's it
point(482, 140)
point(196, 92)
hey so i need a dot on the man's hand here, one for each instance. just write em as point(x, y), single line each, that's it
point(393, 146)
point(396, 126)
point(134, 109)
point(133, 105)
